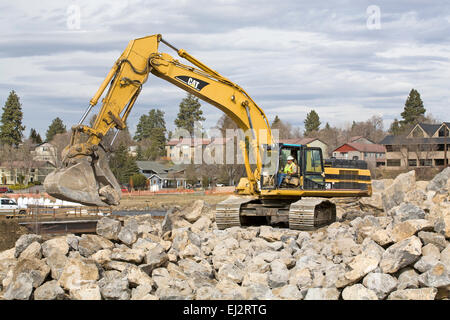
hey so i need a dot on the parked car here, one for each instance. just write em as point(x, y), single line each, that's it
point(5, 190)
point(8, 205)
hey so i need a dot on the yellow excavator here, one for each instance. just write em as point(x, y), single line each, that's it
point(300, 198)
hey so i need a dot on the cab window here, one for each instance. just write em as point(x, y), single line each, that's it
point(313, 161)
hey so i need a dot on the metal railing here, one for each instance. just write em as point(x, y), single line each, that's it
point(51, 213)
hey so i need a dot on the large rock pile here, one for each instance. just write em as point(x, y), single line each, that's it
point(396, 248)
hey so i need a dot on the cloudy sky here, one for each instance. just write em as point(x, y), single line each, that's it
point(348, 60)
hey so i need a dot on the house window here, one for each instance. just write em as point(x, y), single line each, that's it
point(417, 133)
point(443, 132)
point(393, 162)
point(425, 162)
point(412, 162)
point(439, 162)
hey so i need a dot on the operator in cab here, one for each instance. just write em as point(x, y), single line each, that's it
point(289, 169)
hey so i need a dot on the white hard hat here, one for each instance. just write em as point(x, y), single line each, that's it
point(290, 158)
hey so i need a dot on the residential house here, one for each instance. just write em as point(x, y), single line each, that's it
point(184, 150)
point(312, 142)
point(162, 176)
point(425, 145)
point(14, 172)
point(364, 149)
point(45, 152)
point(132, 151)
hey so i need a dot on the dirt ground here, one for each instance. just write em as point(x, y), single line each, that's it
point(10, 231)
point(165, 201)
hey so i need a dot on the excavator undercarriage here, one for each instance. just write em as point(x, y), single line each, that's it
point(303, 214)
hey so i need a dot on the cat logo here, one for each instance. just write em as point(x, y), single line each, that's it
point(194, 83)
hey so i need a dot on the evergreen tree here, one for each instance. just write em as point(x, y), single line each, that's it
point(35, 137)
point(312, 122)
point(11, 129)
point(395, 128)
point(189, 113)
point(151, 126)
point(327, 126)
point(57, 126)
point(414, 110)
point(151, 131)
point(285, 129)
point(276, 122)
point(122, 164)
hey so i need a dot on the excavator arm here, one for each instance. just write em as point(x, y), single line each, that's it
point(85, 176)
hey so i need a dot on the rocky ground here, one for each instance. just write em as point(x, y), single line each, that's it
point(391, 246)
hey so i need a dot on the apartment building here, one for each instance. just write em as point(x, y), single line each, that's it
point(425, 145)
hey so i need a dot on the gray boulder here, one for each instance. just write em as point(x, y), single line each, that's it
point(33, 251)
point(436, 277)
point(414, 294)
point(279, 275)
point(20, 288)
point(401, 254)
point(57, 261)
point(435, 238)
point(322, 294)
point(24, 241)
point(380, 283)
point(288, 292)
point(89, 244)
point(394, 194)
point(439, 181)
point(114, 288)
point(155, 258)
point(408, 279)
point(445, 256)
point(442, 226)
point(258, 291)
point(425, 263)
point(55, 245)
point(36, 269)
point(108, 228)
point(407, 211)
point(358, 292)
point(129, 232)
point(49, 291)
point(230, 272)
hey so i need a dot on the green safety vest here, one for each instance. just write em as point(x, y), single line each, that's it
point(289, 168)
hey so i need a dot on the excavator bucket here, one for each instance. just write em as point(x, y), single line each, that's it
point(87, 182)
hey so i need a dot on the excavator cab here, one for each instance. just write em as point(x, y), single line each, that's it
point(309, 169)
